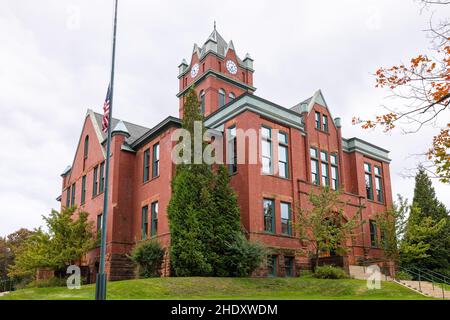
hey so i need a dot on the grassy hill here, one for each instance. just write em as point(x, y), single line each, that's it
point(225, 288)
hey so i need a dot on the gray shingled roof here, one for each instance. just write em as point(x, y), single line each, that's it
point(136, 131)
point(300, 107)
point(222, 45)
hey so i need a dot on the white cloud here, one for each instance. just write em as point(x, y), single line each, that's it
point(52, 70)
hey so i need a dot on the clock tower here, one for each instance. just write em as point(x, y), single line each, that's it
point(217, 73)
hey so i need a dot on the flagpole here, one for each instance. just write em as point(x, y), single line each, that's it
point(100, 288)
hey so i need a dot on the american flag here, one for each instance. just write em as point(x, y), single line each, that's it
point(105, 120)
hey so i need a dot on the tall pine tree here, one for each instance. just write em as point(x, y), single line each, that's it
point(428, 211)
point(204, 216)
point(191, 205)
point(227, 221)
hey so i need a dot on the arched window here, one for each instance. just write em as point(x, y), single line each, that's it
point(221, 97)
point(202, 102)
point(231, 96)
point(86, 147)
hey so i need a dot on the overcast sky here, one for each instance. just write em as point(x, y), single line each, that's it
point(55, 63)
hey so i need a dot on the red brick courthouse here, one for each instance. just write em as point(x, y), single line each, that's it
point(301, 148)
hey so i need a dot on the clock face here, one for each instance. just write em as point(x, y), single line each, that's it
point(194, 70)
point(231, 67)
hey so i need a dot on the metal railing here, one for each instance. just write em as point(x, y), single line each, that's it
point(436, 279)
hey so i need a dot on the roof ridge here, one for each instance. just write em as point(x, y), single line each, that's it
point(124, 121)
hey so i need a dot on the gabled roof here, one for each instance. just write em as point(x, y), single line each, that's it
point(308, 104)
point(136, 134)
point(135, 131)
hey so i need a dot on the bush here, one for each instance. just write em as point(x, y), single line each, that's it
point(242, 257)
point(329, 272)
point(148, 256)
point(47, 283)
point(403, 275)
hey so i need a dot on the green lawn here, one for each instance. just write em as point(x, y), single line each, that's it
point(226, 288)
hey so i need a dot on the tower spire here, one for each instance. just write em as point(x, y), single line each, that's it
point(214, 24)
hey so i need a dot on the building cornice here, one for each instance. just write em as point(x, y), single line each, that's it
point(219, 75)
point(366, 148)
point(250, 102)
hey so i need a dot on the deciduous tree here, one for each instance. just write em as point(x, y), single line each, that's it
point(68, 238)
point(324, 226)
point(423, 87)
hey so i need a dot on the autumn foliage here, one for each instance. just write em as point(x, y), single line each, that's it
point(424, 84)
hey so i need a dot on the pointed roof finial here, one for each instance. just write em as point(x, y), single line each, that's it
point(214, 24)
point(121, 128)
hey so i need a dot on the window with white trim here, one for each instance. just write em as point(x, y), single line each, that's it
point(314, 166)
point(283, 155)
point(266, 144)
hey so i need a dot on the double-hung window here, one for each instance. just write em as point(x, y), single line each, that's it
point(155, 166)
point(72, 202)
point(95, 182)
point(325, 123)
point(99, 222)
point(232, 150)
point(373, 233)
point(68, 194)
point(283, 166)
point(154, 211)
point(324, 168)
point(85, 151)
point(144, 222)
point(368, 180)
point(221, 97)
point(314, 166)
point(269, 215)
point(86, 147)
point(83, 190)
point(334, 172)
point(146, 165)
point(102, 177)
point(286, 221)
point(378, 183)
point(317, 120)
point(266, 144)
